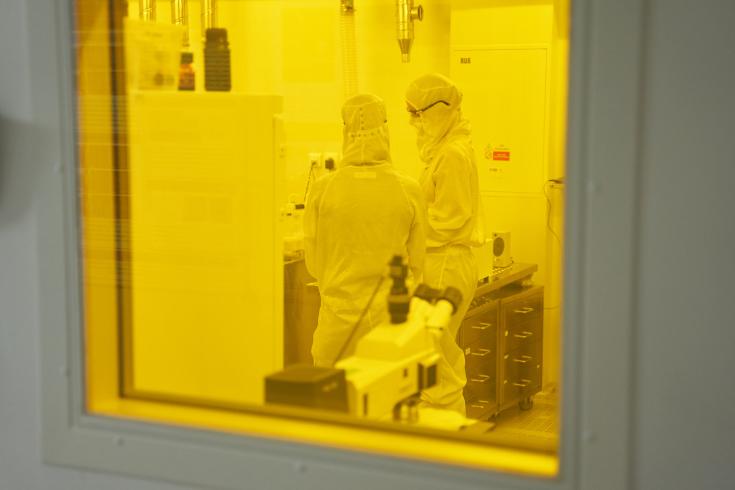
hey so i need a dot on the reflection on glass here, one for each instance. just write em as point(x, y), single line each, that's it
point(201, 170)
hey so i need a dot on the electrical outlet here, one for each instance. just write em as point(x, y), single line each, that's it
point(315, 160)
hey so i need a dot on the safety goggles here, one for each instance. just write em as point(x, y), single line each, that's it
point(418, 112)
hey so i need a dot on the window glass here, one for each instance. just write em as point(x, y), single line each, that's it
point(264, 186)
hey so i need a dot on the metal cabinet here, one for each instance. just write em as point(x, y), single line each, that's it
point(478, 338)
point(502, 338)
point(522, 321)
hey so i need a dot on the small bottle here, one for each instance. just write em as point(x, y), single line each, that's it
point(186, 71)
point(217, 60)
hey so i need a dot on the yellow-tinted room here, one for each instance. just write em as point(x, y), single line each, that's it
point(338, 222)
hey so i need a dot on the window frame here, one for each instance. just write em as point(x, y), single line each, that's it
point(602, 195)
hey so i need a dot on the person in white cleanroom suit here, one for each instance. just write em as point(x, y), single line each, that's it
point(356, 219)
point(449, 182)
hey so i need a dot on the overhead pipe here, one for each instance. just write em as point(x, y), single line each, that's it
point(406, 13)
point(349, 50)
point(147, 9)
point(209, 15)
point(180, 17)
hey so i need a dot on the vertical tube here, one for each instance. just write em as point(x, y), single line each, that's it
point(349, 50)
point(406, 13)
point(404, 27)
point(180, 16)
point(147, 10)
point(209, 15)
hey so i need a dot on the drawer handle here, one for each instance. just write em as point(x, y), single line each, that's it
point(525, 383)
point(481, 352)
point(523, 335)
point(482, 326)
point(523, 359)
point(481, 378)
point(524, 311)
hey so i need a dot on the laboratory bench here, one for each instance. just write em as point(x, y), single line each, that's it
point(501, 335)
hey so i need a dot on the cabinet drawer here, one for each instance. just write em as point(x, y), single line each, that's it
point(481, 328)
point(523, 335)
point(480, 387)
point(522, 372)
point(481, 409)
point(516, 390)
point(522, 363)
point(524, 311)
point(480, 360)
point(522, 319)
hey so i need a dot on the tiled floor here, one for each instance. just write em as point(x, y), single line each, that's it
point(540, 422)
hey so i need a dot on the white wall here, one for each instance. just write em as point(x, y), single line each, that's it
point(684, 427)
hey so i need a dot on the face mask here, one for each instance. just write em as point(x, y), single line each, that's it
point(416, 122)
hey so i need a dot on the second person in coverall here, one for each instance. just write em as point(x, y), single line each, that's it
point(356, 219)
point(450, 185)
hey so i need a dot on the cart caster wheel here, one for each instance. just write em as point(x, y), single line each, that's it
point(526, 403)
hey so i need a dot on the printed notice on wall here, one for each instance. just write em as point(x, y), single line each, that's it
point(499, 153)
point(498, 157)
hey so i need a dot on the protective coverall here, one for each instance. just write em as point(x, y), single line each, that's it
point(450, 185)
point(355, 220)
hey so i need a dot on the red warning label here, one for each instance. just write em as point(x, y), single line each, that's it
point(501, 155)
